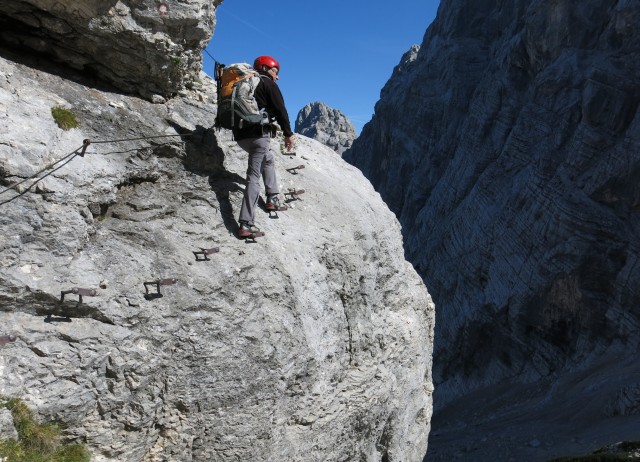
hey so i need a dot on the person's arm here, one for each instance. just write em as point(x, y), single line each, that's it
point(282, 116)
point(269, 95)
point(275, 105)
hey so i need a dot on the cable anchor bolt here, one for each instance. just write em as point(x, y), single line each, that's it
point(85, 145)
point(4, 339)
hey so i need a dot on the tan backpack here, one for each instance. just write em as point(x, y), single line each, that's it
point(237, 106)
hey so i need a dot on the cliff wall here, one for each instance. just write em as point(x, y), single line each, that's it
point(507, 146)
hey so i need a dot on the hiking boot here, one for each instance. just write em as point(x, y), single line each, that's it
point(273, 203)
point(247, 230)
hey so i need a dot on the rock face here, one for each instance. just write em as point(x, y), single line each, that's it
point(507, 145)
point(7, 429)
point(327, 125)
point(143, 46)
point(312, 343)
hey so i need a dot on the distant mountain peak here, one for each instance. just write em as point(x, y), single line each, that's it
point(327, 125)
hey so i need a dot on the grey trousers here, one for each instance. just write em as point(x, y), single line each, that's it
point(261, 163)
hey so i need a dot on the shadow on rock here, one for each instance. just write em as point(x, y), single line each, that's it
point(223, 186)
point(46, 63)
point(204, 156)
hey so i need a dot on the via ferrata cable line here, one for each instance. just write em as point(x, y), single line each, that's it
point(138, 139)
point(68, 158)
point(211, 56)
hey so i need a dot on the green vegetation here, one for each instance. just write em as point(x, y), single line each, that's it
point(37, 442)
point(65, 119)
point(627, 451)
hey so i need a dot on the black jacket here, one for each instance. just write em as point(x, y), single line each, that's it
point(268, 96)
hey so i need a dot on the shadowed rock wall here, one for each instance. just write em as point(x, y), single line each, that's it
point(508, 147)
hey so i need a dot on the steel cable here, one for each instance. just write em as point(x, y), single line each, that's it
point(69, 157)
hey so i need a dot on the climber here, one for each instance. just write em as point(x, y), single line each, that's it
point(255, 139)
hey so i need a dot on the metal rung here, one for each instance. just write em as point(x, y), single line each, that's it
point(293, 194)
point(205, 253)
point(294, 170)
point(158, 283)
point(79, 292)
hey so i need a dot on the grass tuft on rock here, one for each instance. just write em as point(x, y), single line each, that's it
point(65, 119)
point(37, 442)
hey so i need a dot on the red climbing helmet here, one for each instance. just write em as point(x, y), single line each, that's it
point(265, 61)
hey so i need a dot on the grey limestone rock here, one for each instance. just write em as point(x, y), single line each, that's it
point(314, 343)
point(7, 429)
point(327, 125)
point(145, 47)
point(507, 146)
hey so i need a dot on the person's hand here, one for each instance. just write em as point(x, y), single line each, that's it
point(289, 142)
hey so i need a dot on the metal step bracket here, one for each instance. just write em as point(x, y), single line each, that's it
point(252, 239)
point(158, 283)
point(294, 170)
point(203, 254)
point(79, 292)
point(273, 213)
point(292, 194)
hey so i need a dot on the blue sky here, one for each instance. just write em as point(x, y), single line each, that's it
point(339, 52)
